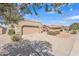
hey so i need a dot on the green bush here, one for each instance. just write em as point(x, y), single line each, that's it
point(11, 31)
point(74, 26)
point(53, 32)
point(61, 30)
point(12, 26)
point(16, 37)
point(73, 32)
point(57, 32)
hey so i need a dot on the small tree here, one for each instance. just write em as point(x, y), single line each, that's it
point(74, 26)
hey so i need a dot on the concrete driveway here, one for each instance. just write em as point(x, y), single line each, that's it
point(61, 45)
point(75, 48)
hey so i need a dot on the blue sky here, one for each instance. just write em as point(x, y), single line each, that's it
point(71, 11)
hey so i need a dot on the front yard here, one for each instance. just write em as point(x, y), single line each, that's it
point(61, 44)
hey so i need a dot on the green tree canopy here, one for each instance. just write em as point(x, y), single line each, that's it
point(74, 26)
point(14, 12)
point(9, 13)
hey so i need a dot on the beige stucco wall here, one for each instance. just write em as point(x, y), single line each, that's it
point(33, 23)
point(54, 29)
point(23, 27)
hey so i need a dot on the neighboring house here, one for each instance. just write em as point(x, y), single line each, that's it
point(28, 27)
point(55, 27)
point(58, 28)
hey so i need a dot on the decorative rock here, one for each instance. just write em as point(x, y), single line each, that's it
point(27, 48)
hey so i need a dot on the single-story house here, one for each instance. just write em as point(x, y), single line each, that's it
point(28, 27)
point(55, 27)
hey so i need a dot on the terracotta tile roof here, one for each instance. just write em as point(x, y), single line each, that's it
point(56, 26)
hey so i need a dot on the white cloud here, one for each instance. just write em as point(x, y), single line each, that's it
point(72, 17)
point(71, 9)
point(62, 21)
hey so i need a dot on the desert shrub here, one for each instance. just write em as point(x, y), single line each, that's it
point(53, 32)
point(74, 26)
point(73, 32)
point(66, 30)
point(16, 37)
point(57, 32)
point(11, 31)
point(69, 29)
point(61, 30)
point(12, 26)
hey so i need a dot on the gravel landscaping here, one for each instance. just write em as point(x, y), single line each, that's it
point(27, 48)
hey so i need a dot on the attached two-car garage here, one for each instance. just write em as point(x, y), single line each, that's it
point(29, 27)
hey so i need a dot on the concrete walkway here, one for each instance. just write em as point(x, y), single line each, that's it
point(75, 49)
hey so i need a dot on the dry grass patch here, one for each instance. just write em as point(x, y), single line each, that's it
point(54, 33)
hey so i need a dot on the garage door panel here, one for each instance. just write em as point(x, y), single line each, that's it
point(30, 30)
